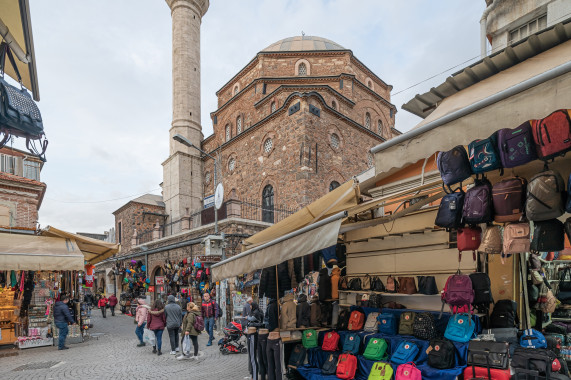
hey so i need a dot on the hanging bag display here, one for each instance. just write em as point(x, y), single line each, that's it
point(330, 365)
point(330, 341)
point(441, 354)
point(407, 285)
point(508, 198)
point(427, 285)
point(406, 352)
point(366, 283)
point(544, 198)
point(482, 291)
point(376, 349)
point(392, 285)
point(516, 146)
point(346, 366)
point(478, 203)
point(460, 328)
point(552, 134)
point(492, 241)
point(309, 338)
point(352, 343)
point(381, 371)
point(450, 210)
point(504, 314)
point(406, 323)
point(453, 165)
point(483, 155)
point(355, 284)
point(387, 323)
point(377, 285)
point(371, 322)
point(408, 371)
point(458, 293)
point(548, 236)
point(516, 238)
point(468, 239)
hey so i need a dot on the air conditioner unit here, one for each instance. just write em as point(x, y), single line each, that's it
point(213, 245)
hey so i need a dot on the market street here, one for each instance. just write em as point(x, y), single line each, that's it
point(114, 355)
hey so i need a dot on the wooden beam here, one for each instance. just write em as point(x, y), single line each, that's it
point(399, 242)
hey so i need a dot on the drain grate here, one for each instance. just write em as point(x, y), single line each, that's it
point(31, 366)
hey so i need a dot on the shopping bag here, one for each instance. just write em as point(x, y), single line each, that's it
point(149, 337)
point(186, 344)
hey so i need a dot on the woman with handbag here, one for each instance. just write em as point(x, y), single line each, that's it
point(189, 331)
point(156, 322)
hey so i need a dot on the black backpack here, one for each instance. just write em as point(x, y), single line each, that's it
point(355, 284)
point(504, 314)
point(482, 291)
point(442, 354)
point(424, 326)
point(330, 365)
point(450, 210)
point(343, 320)
point(324, 285)
point(377, 285)
point(297, 357)
point(376, 301)
point(548, 236)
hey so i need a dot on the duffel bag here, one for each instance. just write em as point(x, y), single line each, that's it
point(488, 354)
point(483, 373)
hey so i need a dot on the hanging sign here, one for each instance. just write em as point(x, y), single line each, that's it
point(159, 280)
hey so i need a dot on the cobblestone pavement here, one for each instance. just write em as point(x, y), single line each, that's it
point(114, 355)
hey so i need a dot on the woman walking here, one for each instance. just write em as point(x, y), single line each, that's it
point(102, 304)
point(189, 329)
point(156, 321)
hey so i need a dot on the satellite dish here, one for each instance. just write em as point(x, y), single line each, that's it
point(219, 196)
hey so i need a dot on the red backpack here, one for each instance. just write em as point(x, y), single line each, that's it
point(552, 135)
point(330, 341)
point(356, 320)
point(468, 239)
point(198, 323)
point(346, 366)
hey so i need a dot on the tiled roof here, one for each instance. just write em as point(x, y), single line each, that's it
point(16, 178)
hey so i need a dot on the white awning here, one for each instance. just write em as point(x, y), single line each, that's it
point(302, 242)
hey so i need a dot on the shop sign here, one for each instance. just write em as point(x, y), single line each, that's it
point(159, 280)
point(209, 201)
point(151, 289)
point(207, 259)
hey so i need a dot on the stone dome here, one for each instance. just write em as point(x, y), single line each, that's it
point(303, 43)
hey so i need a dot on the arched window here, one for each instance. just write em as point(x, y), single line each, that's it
point(273, 107)
point(227, 132)
point(302, 69)
point(334, 105)
point(370, 84)
point(333, 185)
point(380, 127)
point(368, 120)
point(235, 90)
point(268, 204)
point(239, 124)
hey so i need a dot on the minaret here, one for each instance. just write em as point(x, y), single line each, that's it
point(182, 171)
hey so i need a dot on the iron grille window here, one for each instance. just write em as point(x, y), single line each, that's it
point(302, 69)
point(273, 106)
point(333, 185)
point(370, 160)
point(334, 141)
point(268, 204)
point(227, 132)
point(380, 127)
point(368, 120)
point(268, 144)
point(239, 124)
point(334, 105)
point(232, 164)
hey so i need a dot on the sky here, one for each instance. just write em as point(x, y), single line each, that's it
point(104, 70)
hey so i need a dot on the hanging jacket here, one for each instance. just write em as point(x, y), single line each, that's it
point(294, 271)
point(288, 316)
point(272, 315)
point(303, 312)
point(324, 285)
point(268, 281)
point(335, 274)
point(315, 313)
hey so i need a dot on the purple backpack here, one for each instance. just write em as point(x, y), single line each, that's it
point(516, 145)
point(453, 165)
point(458, 293)
point(478, 204)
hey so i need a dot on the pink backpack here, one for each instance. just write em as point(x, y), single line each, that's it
point(408, 371)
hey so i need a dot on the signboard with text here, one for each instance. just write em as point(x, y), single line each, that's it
point(159, 280)
point(209, 201)
point(207, 259)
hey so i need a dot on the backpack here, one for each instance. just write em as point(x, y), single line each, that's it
point(504, 314)
point(297, 357)
point(453, 165)
point(483, 155)
point(424, 326)
point(442, 354)
point(482, 291)
point(408, 371)
point(376, 349)
point(491, 241)
point(381, 371)
point(346, 366)
point(371, 323)
point(450, 210)
point(552, 134)
point(460, 328)
point(330, 341)
point(548, 236)
point(366, 283)
point(516, 238)
point(392, 285)
point(478, 203)
point(406, 323)
point(355, 284)
point(405, 352)
point(329, 367)
point(343, 319)
point(198, 323)
point(352, 343)
point(309, 338)
point(458, 292)
point(544, 196)
point(508, 197)
point(532, 339)
point(516, 145)
point(376, 301)
point(377, 285)
point(356, 320)
point(468, 239)
point(387, 323)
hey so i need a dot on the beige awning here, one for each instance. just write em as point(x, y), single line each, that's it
point(93, 250)
point(299, 243)
point(16, 30)
point(31, 252)
point(483, 108)
point(340, 199)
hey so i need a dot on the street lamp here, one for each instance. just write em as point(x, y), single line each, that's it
point(183, 140)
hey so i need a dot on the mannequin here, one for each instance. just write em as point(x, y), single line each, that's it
point(261, 354)
point(252, 339)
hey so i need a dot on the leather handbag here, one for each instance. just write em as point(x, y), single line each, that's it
point(427, 285)
point(407, 285)
point(355, 284)
point(488, 354)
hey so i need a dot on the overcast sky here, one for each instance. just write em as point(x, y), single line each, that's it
point(104, 71)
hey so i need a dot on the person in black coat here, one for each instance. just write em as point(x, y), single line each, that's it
point(272, 315)
point(62, 317)
point(303, 312)
point(256, 317)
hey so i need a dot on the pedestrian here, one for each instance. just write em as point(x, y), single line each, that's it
point(189, 329)
point(156, 321)
point(112, 304)
point(102, 304)
point(141, 319)
point(246, 311)
point(173, 314)
point(62, 317)
point(210, 315)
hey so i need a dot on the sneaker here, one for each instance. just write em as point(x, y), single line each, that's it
point(184, 357)
point(141, 345)
point(209, 344)
point(173, 352)
point(177, 349)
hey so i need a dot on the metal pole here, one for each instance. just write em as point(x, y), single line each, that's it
point(215, 185)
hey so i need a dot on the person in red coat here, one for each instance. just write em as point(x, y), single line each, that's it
point(156, 321)
point(112, 303)
point(102, 304)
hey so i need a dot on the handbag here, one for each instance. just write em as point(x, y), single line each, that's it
point(407, 285)
point(427, 285)
point(392, 285)
point(488, 354)
point(355, 284)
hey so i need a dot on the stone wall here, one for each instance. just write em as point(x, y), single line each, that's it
point(132, 218)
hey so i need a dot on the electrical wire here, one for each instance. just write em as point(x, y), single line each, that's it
point(105, 200)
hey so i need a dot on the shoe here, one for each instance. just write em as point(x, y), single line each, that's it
point(177, 349)
point(159, 353)
point(63, 348)
point(173, 352)
point(209, 344)
point(141, 345)
point(154, 350)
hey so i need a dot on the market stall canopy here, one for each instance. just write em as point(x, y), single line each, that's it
point(299, 243)
point(31, 252)
point(16, 30)
point(340, 199)
point(93, 250)
point(523, 82)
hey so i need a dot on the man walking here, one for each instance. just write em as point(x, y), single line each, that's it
point(173, 313)
point(112, 303)
point(210, 315)
point(62, 317)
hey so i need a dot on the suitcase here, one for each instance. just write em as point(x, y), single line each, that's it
point(473, 373)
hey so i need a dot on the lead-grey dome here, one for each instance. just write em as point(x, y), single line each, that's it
point(303, 43)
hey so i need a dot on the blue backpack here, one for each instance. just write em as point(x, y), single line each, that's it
point(450, 210)
point(387, 324)
point(483, 155)
point(405, 352)
point(532, 339)
point(453, 165)
point(460, 328)
point(352, 343)
point(568, 205)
